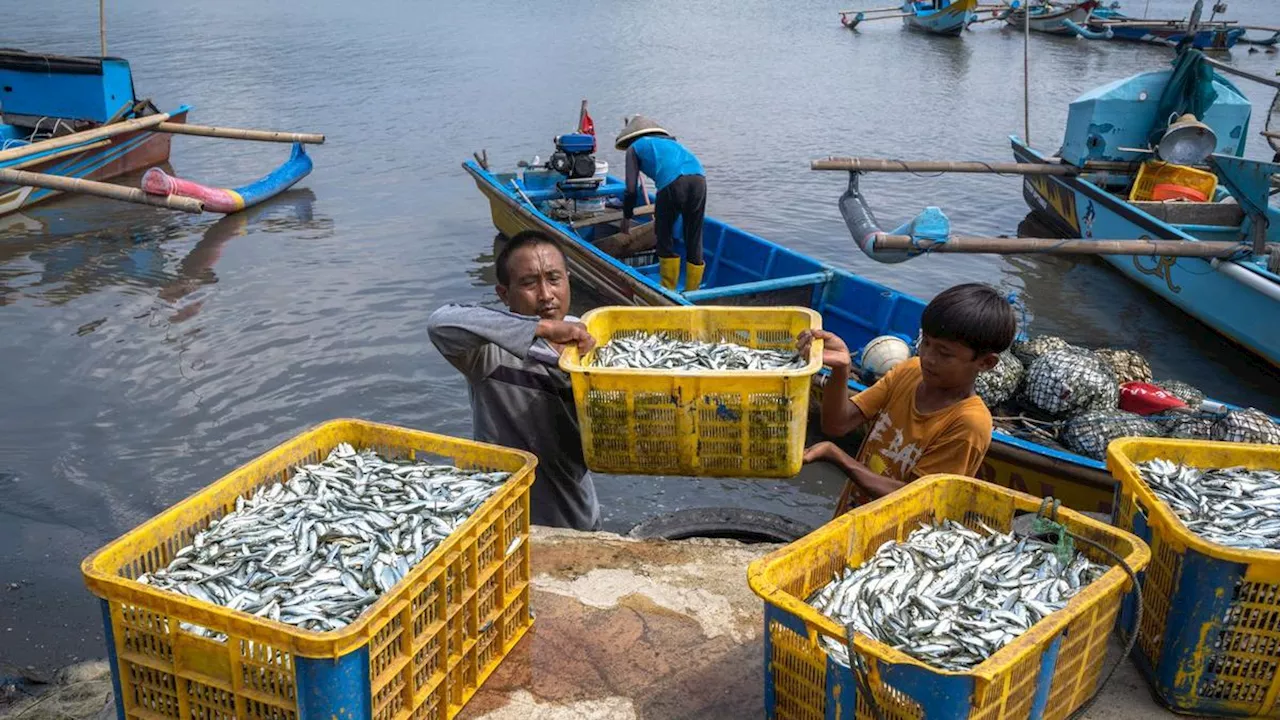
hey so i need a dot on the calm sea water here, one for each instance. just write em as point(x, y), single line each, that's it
point(146, 353)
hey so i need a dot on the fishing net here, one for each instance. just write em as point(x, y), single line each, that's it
point(1032, 349)
point(998, 384)
point(1184, 392)
point(1190, 427)
point(1127, 365)
point(1064, 382)
point(1089, 433)
point(1246, 426)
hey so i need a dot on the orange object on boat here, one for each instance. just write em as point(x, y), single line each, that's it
point(1170, 191)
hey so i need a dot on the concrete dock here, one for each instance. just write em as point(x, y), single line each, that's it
point(624, 629)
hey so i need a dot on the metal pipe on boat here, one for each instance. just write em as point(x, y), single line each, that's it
point(100, 189)
point(854, 164)
point(1070, 246)
point(144, 123)
point(1242, 73)
point(1252, 280)
point(240, 133)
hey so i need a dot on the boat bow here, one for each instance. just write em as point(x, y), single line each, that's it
point(230, 200)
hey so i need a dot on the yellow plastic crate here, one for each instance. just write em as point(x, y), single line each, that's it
point(1209, 642)
point(740, 423)
point(420, 652)
point(1048, 672)
point(1156, 172)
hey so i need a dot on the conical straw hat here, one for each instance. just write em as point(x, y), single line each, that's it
point(636, 127)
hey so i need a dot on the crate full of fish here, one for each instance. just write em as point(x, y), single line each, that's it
point(1208, 642)
point(960, 608)
point(356, 570)
point(702, 391)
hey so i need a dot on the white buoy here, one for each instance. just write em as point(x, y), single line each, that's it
point(882, 353)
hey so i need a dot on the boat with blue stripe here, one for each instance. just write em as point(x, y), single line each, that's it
point(939, 17)
point(74, 118)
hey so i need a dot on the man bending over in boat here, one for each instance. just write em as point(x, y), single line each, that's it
point(925, 417)
point(682, 191)
point(519, 396)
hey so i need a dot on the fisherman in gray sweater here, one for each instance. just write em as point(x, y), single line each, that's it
point(519, 396)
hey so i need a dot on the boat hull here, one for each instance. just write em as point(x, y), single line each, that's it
point(949, 21)
point(1010, 462)
point(1080, 209)
point(125, 153)
point(1052, 23)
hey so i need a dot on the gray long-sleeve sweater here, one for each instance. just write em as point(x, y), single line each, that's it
point(520, 398)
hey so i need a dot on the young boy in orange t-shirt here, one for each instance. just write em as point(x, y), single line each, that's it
point(926, 417)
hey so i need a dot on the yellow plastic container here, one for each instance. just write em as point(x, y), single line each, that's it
point(740, 423)
point(1048, 672)
point(1156, 172)
point(421, 651)
point(1209, 642)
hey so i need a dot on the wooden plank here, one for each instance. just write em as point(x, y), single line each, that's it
point(612, 217)
point(240, 133)
point(97, 133)
point(99, 189)
point(60, 154)
point(1054, 246)
point(626, 244)
point(1193, 213)
point(934, 166)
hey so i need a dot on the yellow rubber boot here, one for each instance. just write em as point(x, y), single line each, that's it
point(669, 272)
point(693, 276)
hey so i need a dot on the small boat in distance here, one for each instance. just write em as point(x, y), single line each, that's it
point(1045, 17)
point(940, 17)
point(70, 123)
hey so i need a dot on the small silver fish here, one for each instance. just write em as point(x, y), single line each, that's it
point(666, 351)
point(1234, 506)
point(950, 596)
point(318, 550)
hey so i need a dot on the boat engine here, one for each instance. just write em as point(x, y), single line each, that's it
point(574, 156)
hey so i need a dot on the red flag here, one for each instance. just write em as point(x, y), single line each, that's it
point(585, 125)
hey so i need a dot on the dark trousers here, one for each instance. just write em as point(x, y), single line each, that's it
point(685, 197)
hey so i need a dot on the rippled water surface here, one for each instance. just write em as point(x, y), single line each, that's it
point(147, 353)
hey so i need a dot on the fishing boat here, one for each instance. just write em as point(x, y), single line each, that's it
point(1109, 129)
point(1209, 35)
point(745, 269)
point(70, 123)
point(1069, 19)
point(940, 17)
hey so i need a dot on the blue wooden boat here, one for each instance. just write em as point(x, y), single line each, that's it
point(940, 17)
point(47, 99)
point(1053, 19)
point(745, 269)
point(1209, 35)
point(1239, 298)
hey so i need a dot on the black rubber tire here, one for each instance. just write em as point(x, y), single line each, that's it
point(749, 526)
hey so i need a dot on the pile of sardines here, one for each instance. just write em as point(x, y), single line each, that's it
point(1234, 506)
point(316, 551)
point(662, 351)
point(951, 597)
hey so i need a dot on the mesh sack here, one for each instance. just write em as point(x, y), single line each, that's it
point(1246, 426)
point(998, 384)
point(1089, 433)
point(1184, 392)
point(1188, 428)
point(1068, 381)
point(1032, 349)
point(1127, 365)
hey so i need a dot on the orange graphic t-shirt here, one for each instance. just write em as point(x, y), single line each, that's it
point(905, 444)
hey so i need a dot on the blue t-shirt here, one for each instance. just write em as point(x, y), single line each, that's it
point(664, 159)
